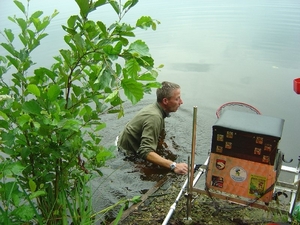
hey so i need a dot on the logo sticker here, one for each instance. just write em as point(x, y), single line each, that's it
point(238, 174)
point(217, 181)
point(257, 185)
point(220, 164)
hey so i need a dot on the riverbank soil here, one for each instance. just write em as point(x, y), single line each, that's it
point(204, 209)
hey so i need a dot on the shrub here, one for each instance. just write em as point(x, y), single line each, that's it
point(50, 118)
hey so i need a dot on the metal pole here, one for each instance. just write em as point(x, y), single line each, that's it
point(189, 181)
point(188, 199)
point(191, 175)
point(200, 173)
point(193, 145)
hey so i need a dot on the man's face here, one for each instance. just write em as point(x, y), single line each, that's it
point(173, 103)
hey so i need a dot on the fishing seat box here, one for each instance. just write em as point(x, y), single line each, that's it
point(244, 154)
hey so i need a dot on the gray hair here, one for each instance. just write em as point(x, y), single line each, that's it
point(166, 90)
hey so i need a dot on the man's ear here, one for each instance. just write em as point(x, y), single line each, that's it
point(165, 101)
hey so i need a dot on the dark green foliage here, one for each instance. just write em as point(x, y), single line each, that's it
point(50, 119)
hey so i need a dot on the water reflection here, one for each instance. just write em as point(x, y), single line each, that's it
point(190, 67)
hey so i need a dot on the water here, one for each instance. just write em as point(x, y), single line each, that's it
point(218, 51)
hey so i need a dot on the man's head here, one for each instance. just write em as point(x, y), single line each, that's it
point(168, 96)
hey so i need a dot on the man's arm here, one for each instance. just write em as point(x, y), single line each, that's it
point(181, 168)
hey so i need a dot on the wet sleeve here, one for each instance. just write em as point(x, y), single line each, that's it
point(151, 131)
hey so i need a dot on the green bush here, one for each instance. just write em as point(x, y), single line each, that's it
point(50, 118)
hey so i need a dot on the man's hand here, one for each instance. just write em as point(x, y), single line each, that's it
point(181, 168)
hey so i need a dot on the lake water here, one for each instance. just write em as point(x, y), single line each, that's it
point(218, 51)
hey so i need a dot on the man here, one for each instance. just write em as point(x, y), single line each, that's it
point(141, 135)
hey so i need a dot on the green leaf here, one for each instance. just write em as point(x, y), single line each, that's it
point(118, 48)
point(36, 124)
point(72, 21)
point(123, 30)
point(43, 25)
point(10, 49)
point(17, 168)
point(124, 41)
point(116, 101)
point(22, 23)
point(154, 73)
point(53, 92)
point(132, 68)
point(102, 27)
point(8, 139)
point(4, 124)
point(104, 79)
point(146, 77)
point(36, 14)
point(36, 22)
point(144, 22)
point(118, 69)
point(32, 185)
point(136, 199)
point(103, 155)
point(33, 89)
point(20, 6)
point(41, 72)
point(112, 96)
point(85, 110)
point(15, 198)
point(79, 42)
point(99, 3)
point(41, 36)
point(54, 14)
point(70, 31)
point(24, 212)
point(153, 26)
point(100, 127)
point(37, 194)
point(69, 124)
point(115, 6)
point(153, 85)
point(120, 213)
point(77, 90)
point(32, 107)
point(108, 49)
point(146, 62)
point(66, 54)
point(12, 19)
point(139, 49)
point(23, 119)
point(129, 4)
point(10, 36)
point(9, 187)
point(3, 115)
point(84, 7)
point(133, 90)
point(24, 56)
point(24, 39)
point(13, 61)
point(31, 33)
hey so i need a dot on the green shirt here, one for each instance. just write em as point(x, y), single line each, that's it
point(140, 135)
